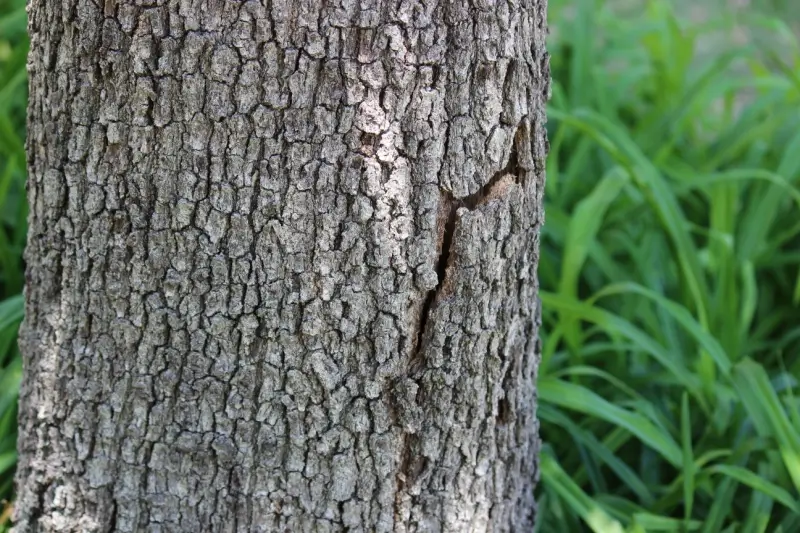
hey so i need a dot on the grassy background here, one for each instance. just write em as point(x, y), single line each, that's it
point(670, 269)
point(670, 266)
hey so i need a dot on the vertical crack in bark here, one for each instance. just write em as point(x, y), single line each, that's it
point(38, 511)
point(401, 477)
point(446, 223)
point(412, 464)
point(112, 523)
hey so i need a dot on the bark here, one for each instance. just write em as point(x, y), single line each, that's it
point(282, 265)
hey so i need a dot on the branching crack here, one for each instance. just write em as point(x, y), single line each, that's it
point(496, 187)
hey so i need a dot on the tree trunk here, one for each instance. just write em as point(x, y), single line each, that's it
point(282, 266)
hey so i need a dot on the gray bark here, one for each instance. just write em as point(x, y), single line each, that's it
point(282, 265)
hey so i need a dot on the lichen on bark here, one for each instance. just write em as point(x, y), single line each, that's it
point(282, 265)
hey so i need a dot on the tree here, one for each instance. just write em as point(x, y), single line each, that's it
point(282, 266)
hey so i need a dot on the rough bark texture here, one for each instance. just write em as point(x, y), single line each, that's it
point(282, 265)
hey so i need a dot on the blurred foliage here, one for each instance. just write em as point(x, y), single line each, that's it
point(670, 268)
point(669, 271)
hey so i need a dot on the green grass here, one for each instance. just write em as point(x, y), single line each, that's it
point(670, 268)
point(670, 272)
